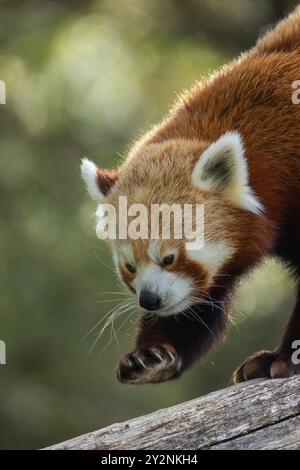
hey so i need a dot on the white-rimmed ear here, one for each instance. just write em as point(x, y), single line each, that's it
point(222, 167)
point(98, 181)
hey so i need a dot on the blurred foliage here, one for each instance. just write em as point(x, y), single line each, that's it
point(86, 77)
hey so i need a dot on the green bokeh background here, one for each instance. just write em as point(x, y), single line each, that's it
point(86, 78)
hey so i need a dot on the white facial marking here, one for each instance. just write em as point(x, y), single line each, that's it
point(223, 167)
point(122, 255)
point(212, 256)
point(127, 254)
point(115, 256)
point(173, 289)
point(154, 251)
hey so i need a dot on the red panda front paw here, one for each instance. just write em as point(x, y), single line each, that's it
point(266, 364)
point(149, 365)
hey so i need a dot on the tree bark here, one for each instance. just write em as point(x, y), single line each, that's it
point(252, 415)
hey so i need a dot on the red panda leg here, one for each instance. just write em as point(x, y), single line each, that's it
point(284, 361)
point(166, 346)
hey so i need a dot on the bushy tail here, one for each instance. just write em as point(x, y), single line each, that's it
point(285, 37)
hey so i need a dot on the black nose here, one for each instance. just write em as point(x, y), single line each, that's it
point(149, 300)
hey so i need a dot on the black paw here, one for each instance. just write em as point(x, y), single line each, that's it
point(150, 365)
point(268, 364)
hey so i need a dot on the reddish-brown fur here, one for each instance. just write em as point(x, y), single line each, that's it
point(252, 95)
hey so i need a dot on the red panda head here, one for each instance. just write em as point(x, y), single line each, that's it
point(167, 277)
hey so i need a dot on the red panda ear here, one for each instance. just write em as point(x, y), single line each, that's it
point(222, 167)
point(98, 181)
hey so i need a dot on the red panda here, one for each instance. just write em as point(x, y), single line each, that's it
point(232, 143)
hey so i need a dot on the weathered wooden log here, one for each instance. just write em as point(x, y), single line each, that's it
point(252, 415)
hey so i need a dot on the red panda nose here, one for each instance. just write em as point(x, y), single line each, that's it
point(149, 300)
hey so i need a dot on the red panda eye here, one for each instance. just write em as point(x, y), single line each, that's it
point(168, 260)
point(130, 268)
